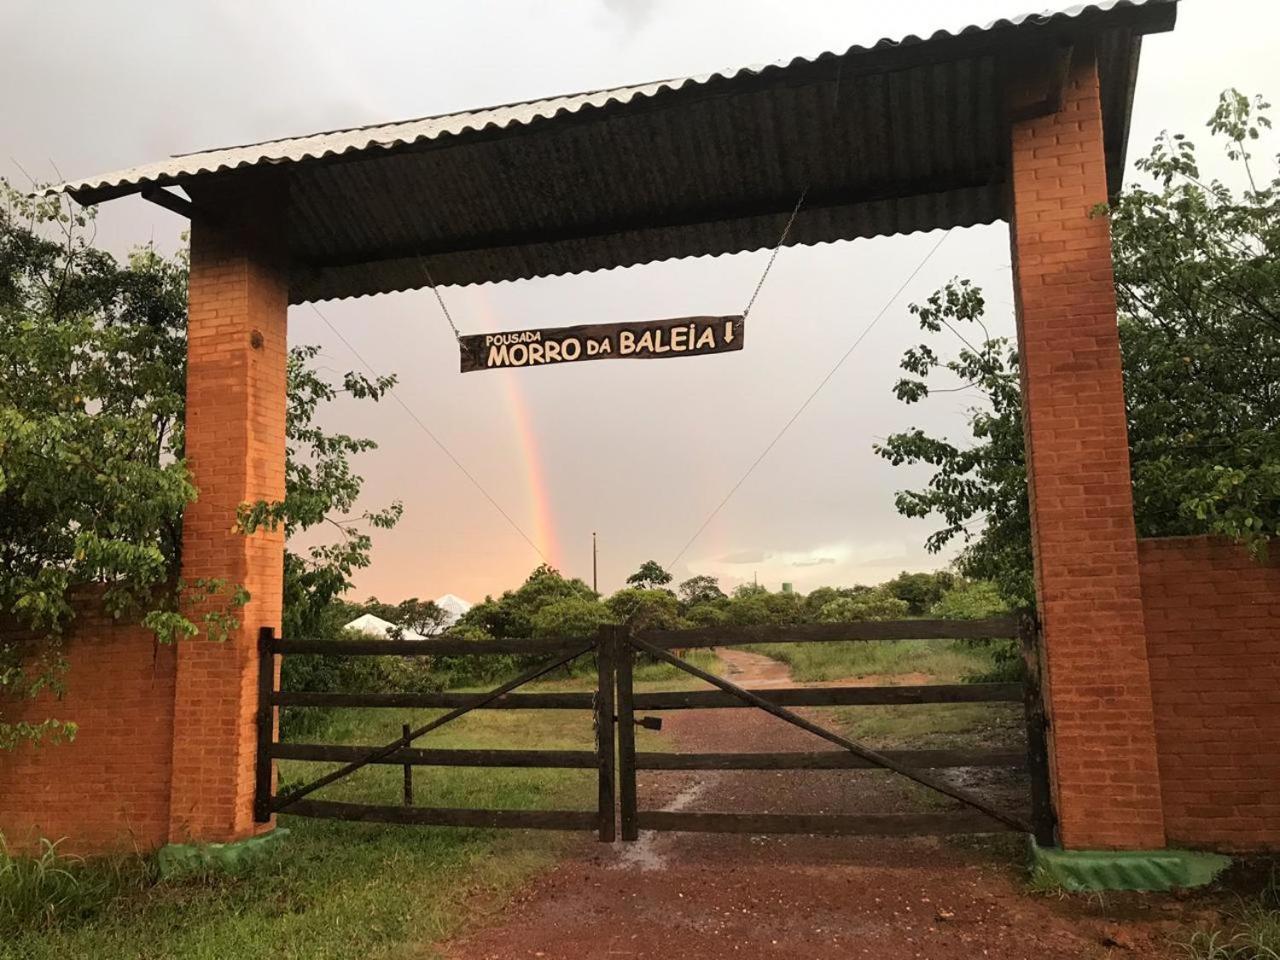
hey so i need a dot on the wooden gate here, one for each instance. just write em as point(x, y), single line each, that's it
point(400, 752)
point(978, 816)
point(615, 651)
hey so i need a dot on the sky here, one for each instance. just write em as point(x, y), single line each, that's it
point(642, 453)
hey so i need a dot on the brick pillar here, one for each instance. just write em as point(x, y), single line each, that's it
point(235, 445)
point(1103, 748)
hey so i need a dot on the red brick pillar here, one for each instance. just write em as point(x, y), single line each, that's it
point(235, 445)
point(1103, 748)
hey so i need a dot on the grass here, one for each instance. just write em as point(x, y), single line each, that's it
point(943, 660)
point(1252, 931)
point(334, 890)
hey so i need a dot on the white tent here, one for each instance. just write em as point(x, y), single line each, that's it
point(452, 605)
point(377, 627)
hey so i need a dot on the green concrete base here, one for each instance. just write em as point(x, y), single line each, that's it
point(181, 859)
point(1082, 870)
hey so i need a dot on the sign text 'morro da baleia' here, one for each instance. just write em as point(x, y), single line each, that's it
point(647, 340)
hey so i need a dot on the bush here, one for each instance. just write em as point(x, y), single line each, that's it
point(877, 604)
point(706, 615)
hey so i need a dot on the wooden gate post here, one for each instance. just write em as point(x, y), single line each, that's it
point(626, 738)
point(606, 650)
point(1044, 823)
point(266, 723)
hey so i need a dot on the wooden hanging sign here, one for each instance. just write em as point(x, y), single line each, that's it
point(647, 340)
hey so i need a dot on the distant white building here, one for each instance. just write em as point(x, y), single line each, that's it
point(454, 606)
point(378, 628)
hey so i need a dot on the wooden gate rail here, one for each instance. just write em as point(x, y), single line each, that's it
point(830, 760)
point(868, 630)
point(400, 751)
point(834, 824)
point(836, 696)
point(449, 816)
point(439, 699)
point(415, 757)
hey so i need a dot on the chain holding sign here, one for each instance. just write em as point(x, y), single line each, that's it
point(649, 340)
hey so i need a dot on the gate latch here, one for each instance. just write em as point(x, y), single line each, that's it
point(649, 723)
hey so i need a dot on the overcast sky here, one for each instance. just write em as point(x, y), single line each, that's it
point(640, 452)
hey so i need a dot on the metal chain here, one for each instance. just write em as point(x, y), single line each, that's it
point(786, 231)
point(439, 299)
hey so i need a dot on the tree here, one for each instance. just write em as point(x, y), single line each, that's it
point(753, 606)
point(706, 615)
point(700, 589)
point(970, 600)
point(920, 591)
point(649, 575)
point(645, 609)
point(420, 616)
point(511, 615)
point(876, 604)
point(1197, 268)
point(573, 618)
point(320, 488)
point(92, 478)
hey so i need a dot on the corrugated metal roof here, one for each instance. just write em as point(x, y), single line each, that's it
point(901, 136)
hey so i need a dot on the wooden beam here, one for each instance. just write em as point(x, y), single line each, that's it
point(344, 753)
point(836, 696)
point(723, 636)
point(441, 646)
point(170, 201)
point(1054, 67)
point(445, 816)
point(829, 760)
point(434, 700)
point(870, 825)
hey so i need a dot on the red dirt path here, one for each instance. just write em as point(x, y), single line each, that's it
point(675, 896)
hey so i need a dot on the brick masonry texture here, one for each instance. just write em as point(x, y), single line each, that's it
point(1103, 747)
point(1213, 634)
point(237, 352)
point(108, 789)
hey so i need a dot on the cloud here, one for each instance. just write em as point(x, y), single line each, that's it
point(813, 562)
point(634, 13)
point(745, 556)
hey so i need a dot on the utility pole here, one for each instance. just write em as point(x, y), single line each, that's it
point(595, 586)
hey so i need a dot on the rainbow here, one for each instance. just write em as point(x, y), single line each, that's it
point(543, 532)
point(539, 497)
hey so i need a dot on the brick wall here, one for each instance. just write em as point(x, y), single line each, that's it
point(1103, 758)
point(109, 787)
point(1213, 632)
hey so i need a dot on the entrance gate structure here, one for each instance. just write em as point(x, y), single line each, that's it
point(615, 651)
point(1023, 120)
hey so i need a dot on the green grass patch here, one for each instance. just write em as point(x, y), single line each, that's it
point(334, 890)
point(945, 661)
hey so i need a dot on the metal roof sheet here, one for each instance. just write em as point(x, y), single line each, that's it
point(900, 136)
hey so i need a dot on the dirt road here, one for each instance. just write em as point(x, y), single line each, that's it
point(675, 896)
